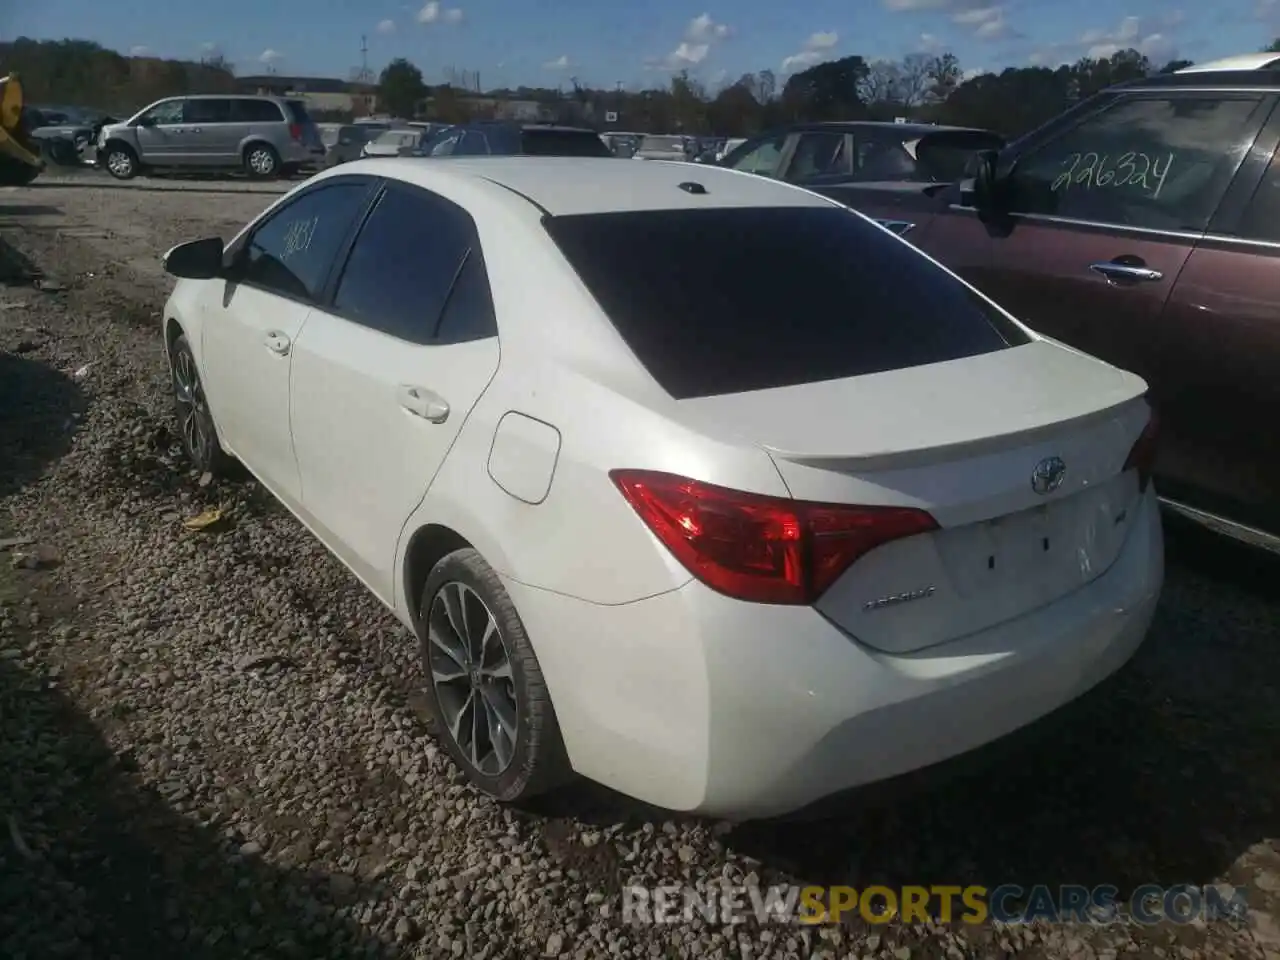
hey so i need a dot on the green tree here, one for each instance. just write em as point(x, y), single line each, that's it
point(400, 88)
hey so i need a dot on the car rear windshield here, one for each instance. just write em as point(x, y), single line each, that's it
point(729, 300)
point(298, 111)
point(563, 143)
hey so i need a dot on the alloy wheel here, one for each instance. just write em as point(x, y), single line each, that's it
point(472, 678)
point(120, 163)
point(262, 162)
point(192, 408)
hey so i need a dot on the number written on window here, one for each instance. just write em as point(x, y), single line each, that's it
point(1132, 169)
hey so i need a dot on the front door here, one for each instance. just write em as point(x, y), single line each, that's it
point(159, 134)
point(252, 326)
point(384, 378)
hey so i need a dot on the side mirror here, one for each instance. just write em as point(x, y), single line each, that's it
point(195, 260)
point(982, 166)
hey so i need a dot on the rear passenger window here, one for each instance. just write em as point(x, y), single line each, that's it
point(404, 263)
point(206, 111)
point(292, 252)
point(255, 111)
point(469, 313)
point(1261, 219)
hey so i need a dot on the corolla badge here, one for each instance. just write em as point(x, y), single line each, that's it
point(1048, 475)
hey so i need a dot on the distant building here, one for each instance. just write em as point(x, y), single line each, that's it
point(321, 94)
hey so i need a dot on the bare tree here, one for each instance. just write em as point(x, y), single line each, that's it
point(881, 83)
point(915, 79)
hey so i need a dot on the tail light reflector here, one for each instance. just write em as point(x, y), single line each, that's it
point(295, 131)
point(757, 548)
point(1143, 455)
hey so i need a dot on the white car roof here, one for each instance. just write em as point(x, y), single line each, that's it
point(1243, 61)
point(564, 186)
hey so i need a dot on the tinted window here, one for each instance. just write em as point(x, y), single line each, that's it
point(292, 252)
point(255, 111)
point(1261, 219)
point(168, 112)
point(403, 264)
point(728, 300)
point(297, 111)
point(206, 111)
point(942, 157)
point(884, 157)
point(1161, 163)
point(442, 145)
point(469, 313)
point(759, 157)
point(562, 143)
point(820, 155)
point(472, 144)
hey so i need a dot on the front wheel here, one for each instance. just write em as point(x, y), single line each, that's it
point(195, 421)
point(484, 683)
point(121, 162)
point(261, 161)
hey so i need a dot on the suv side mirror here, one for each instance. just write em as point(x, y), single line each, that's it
point(985, 183)
point(195, 260)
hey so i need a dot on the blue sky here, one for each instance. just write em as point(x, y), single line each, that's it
point(544, 42)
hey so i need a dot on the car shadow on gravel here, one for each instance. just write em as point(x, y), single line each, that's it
point(94, 863)
point(40, 409)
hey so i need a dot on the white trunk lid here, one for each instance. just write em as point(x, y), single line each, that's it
point(961, 440)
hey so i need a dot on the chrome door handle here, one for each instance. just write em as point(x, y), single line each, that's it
point(424, 403)
point(1124, 271)
point(278, 343)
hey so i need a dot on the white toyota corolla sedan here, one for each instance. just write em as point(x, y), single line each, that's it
point(692, 482)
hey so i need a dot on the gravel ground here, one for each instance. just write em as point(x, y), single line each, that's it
point(211, 744)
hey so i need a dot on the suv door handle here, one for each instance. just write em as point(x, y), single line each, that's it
point(1114, 271)
point(424, 403)
point(278, 343)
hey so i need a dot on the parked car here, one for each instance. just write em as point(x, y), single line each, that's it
point(733, 143)
point(839, 155)
point(1142, 227)
point(396, 142)
point(663, 148)
point(263, 136)
point(889, 525)
point(509, 139)
point(343, 142)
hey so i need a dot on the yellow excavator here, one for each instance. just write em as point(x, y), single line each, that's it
point(20, 161)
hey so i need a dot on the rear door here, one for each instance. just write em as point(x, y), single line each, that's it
point(1103, 216)
point(1220, 353)
point(210, 131)
point(386, 373)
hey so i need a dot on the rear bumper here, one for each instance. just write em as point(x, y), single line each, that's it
point(695, 702)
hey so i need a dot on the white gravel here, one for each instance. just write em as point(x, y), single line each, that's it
point(211, 743)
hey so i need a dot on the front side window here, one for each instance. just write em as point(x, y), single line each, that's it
point(802, 294)
point(206, 111)
point(403, 264)
point(292, 252)
point(1159, 163)
point(168, 112)
point(472, 144)
point(761, 158)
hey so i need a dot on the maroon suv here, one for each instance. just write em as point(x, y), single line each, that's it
point(1142, 226)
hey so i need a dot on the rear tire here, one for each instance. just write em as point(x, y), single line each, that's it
point(484, 684)
point(120, 160)
point(261, 161)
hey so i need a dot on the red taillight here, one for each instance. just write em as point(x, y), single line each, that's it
point(1143, 455)
point(295, 131)
point(763, 549)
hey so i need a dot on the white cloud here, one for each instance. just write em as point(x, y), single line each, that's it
point(139, 51)
point(386, 26)
point(700, 36)
point(900, 5)
point(976, 72)
point(270, 56)
point(984, 18)
point(208, 47)
point(1153, 38)
point(433, 12)
point(559, 63)
point(929, 43)
point(816, 49)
